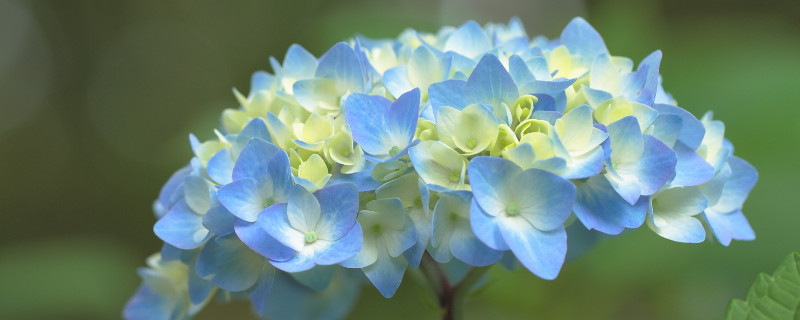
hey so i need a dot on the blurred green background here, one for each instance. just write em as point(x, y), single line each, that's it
point(97, 99)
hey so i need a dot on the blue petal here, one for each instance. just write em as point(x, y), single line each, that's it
point(298, 302)
point(743, 178)
point(396, 80)
point(469, 40)
point(243, 198)
point(338, 210)
point(656, 166)
point(401, 120)
point(199, 288)
point(667, 127)
point(542, 252)
point(486, 227)
point(546, 87)
point(167, 197)
point(275, 222)
point(544, 199)
point(196, 191)
point(386, 274)
point(626, 140)
point(260, 293)
point(260, 81)
point(595, 97)
point(302, 261)
point(365, 115)
point(315, 94)
point(447, 93)
point(342, 65)
point(229, 264)
point(280, 172)
point(147, 304)
point(253, 160)
point(641, 86)
point(489, 178)
point(468, 248)
point(303, 210)
point(299, 63)
point(182, 228)
point(317, 278)
point(581, 39)
point(692, 130)
point(345, 247)
point(219, 220)
point(691, 169)
point(586, 165)
point(256, 128)
point(729, 226)
point(220, 167)
point(490, 83)
point(169, 252)
point(519, 71)
point(546, 103)
point(599, 207)
point(362, 179)
point(261, 242)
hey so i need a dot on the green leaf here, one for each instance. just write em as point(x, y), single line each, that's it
point(771, 297)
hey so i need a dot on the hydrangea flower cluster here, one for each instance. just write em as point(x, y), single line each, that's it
point(463, 148)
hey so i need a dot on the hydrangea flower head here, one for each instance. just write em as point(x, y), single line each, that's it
point(428, 154)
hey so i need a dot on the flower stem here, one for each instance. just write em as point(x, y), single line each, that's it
point(455, 309)
point(451, 297)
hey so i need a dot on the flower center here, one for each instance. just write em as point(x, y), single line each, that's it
point(311, 236)
point(471, 143)
point(268, 202)
point(512, 209)
point(377, 229)
point(394, 151)
point(453, 216)
point(455, 176)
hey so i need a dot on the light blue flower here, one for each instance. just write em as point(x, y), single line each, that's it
point(182, 226)
point(439, 166)
point(598, 206)
point(452, 235)
point(674, 214)
point(220, 166)
point(640, 164)
point(321, 227)
point(682, 132)
point(388, 232)
point(523, 211)
point(468, 40)
point(261, 178)
point(726, 194)
point(415, 196)
point(424, 67)
point(340, 72)
point(382, 128)
point(171, 192)
point(583, 41)
point(163, 294)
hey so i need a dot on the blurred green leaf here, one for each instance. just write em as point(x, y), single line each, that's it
point(772, 297)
